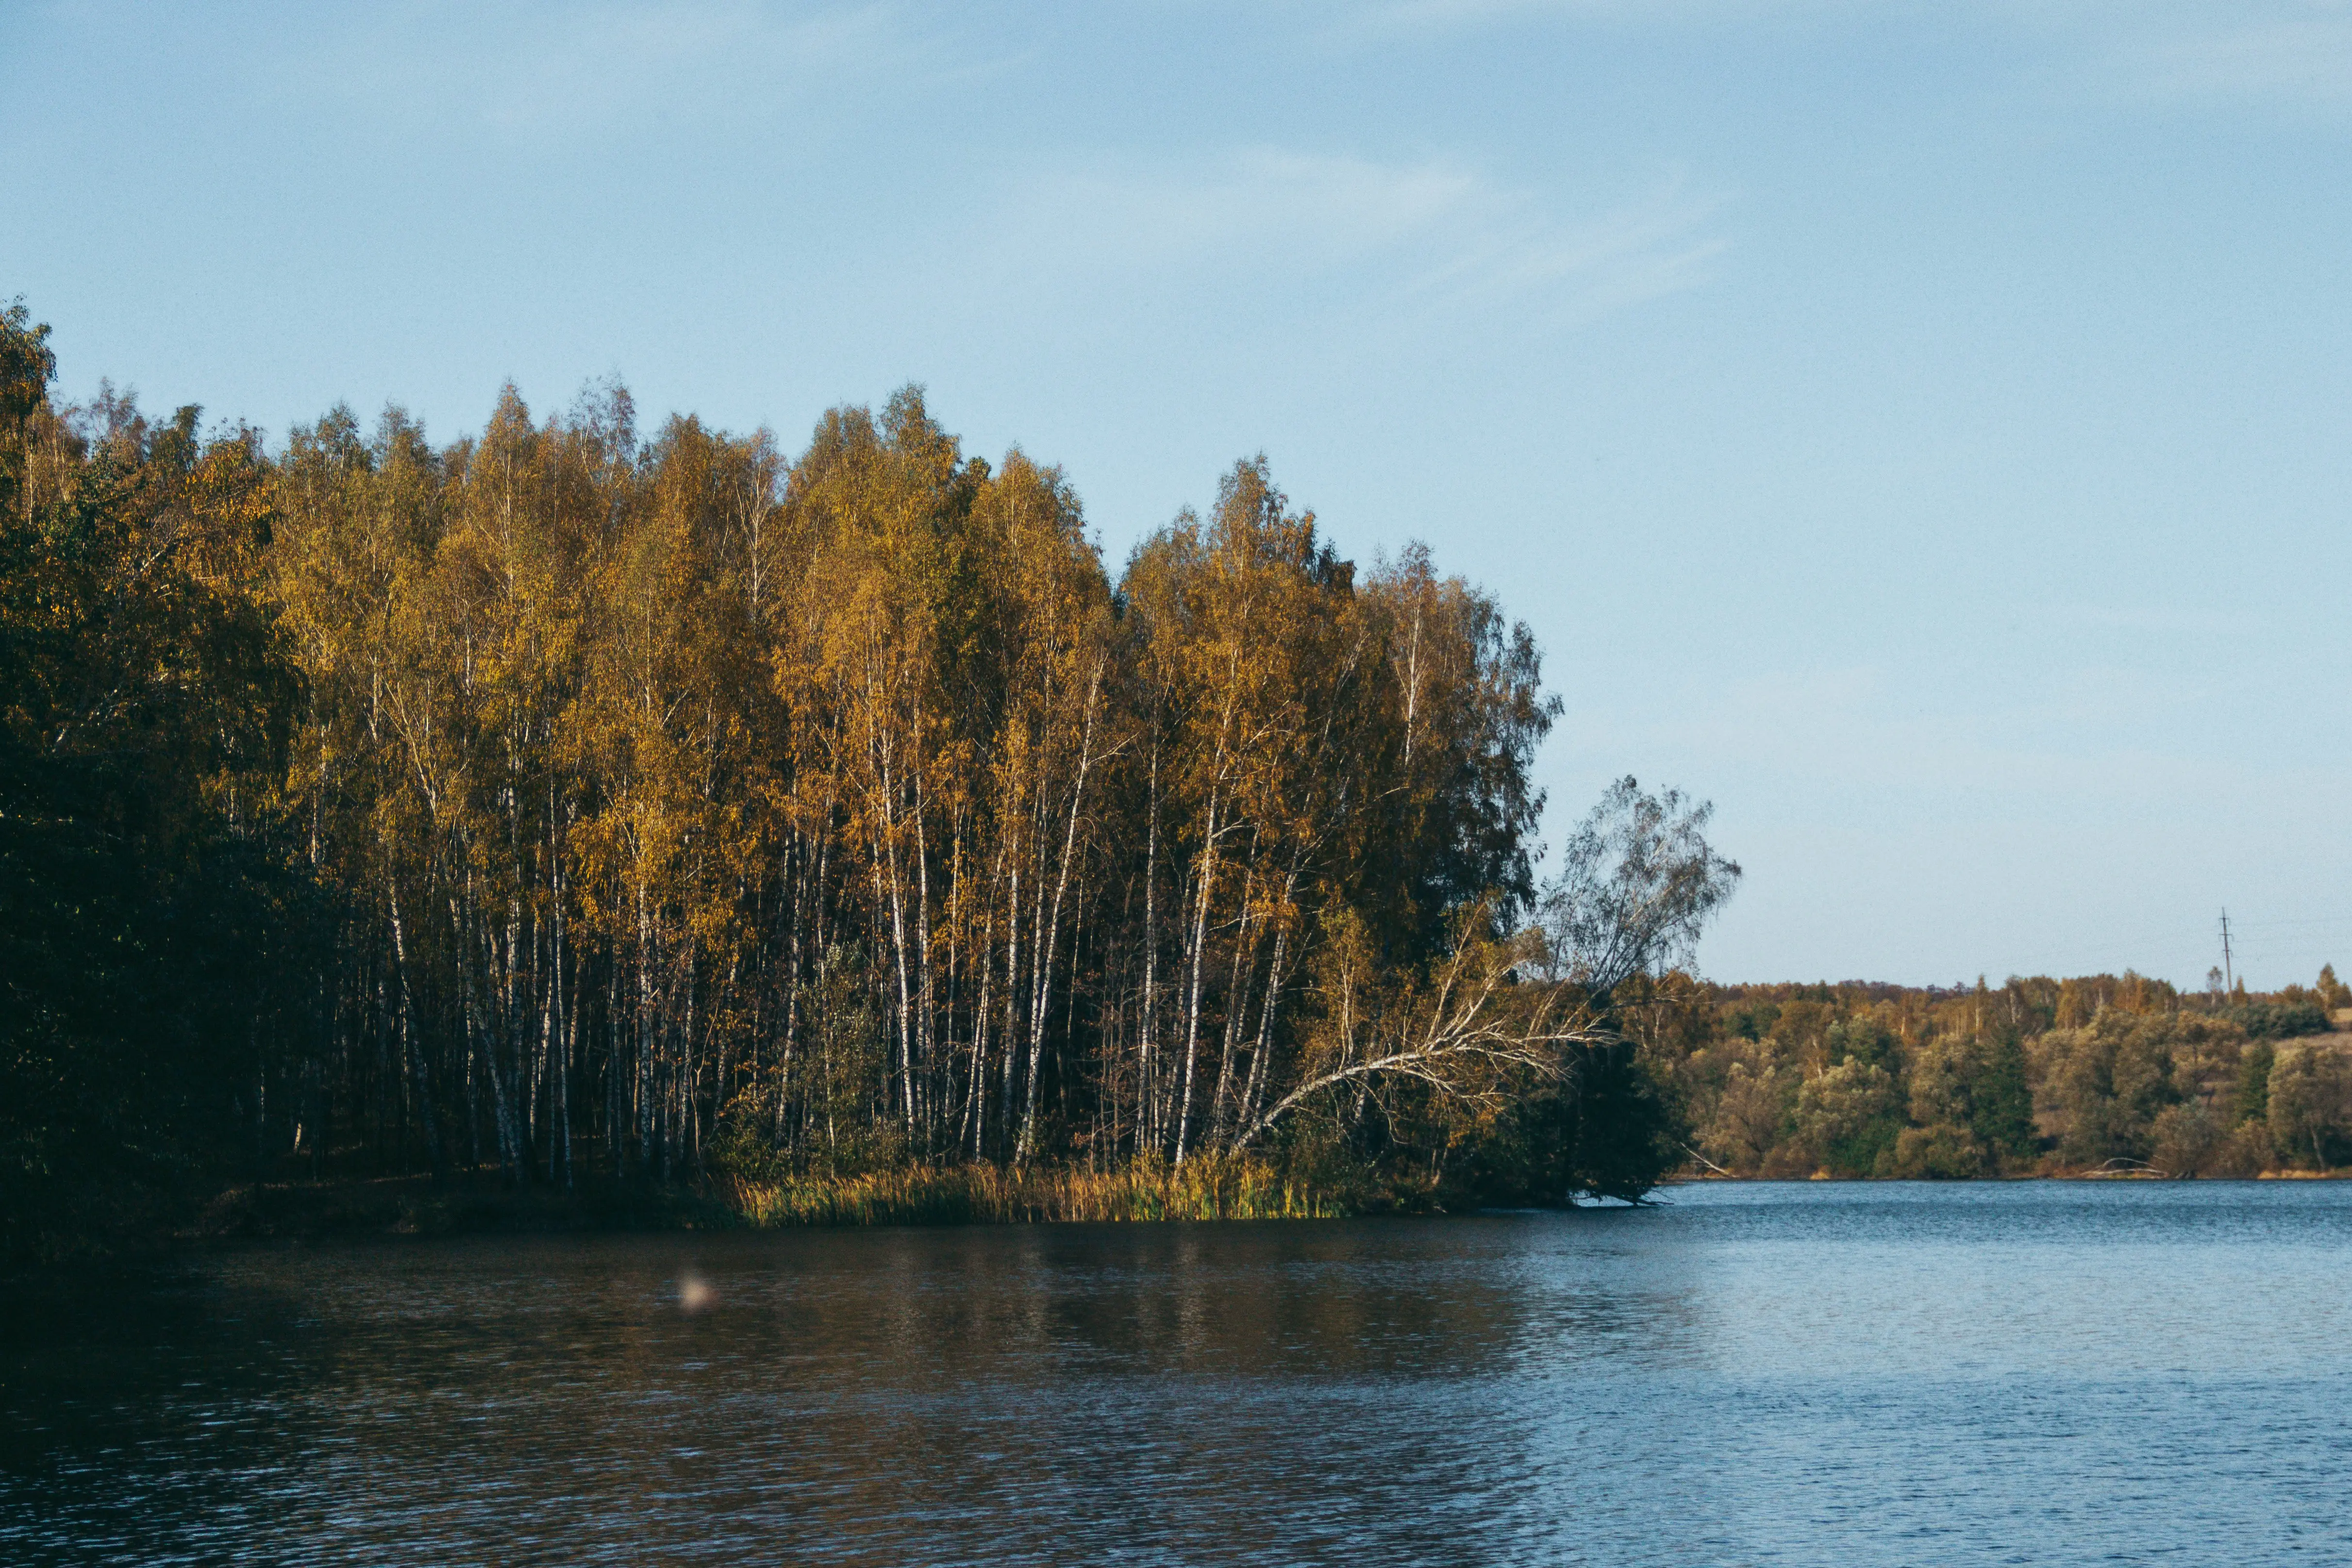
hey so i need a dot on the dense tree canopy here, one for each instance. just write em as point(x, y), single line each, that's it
point(557, 797)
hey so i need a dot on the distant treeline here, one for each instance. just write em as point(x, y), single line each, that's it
point(560, 799)
point(2036, 1076)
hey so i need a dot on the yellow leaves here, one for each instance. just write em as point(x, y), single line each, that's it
point(231, 509)
point(716, 715)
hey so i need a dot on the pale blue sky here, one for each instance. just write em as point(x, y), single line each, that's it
point(1922, 429)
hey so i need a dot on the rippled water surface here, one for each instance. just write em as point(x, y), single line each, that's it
point(1867, 1373)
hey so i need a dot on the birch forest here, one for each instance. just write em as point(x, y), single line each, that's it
point(567, 799)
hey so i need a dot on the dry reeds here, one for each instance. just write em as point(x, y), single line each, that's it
point(1213, 1187)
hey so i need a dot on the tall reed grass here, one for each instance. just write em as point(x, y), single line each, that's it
point(1211, 1187)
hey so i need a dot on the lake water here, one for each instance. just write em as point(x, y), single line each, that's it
point(1788, 1373)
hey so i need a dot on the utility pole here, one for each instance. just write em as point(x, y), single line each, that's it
point(2229, 981)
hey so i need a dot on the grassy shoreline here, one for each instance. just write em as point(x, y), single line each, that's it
point(1206, 1189)
point(357, 1208)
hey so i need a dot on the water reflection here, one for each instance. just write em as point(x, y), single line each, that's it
point(1801, 1374)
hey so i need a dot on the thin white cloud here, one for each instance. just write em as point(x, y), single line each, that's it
point(1422, 237)
point(1641, 251)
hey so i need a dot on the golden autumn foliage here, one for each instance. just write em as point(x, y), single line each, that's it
point(677, 807)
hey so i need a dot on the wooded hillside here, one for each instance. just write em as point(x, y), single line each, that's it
point(2120, 1073)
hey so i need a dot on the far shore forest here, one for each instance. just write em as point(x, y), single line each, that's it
point(2103, 1073)
point(567, 807)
